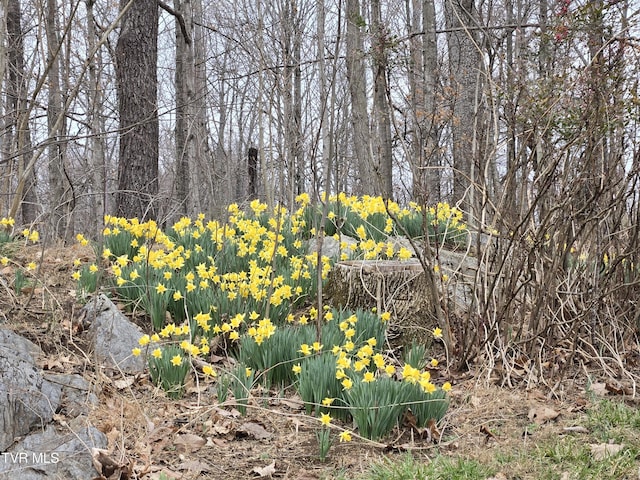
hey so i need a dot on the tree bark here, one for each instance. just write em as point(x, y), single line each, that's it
point(356, 78)
point(18, 133)
point(383, 158)
point(137, 83)
point(59, 201)
point(465, 65)
point(95, 120)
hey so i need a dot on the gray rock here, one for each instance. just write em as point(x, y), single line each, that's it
point(52, 455)
point(113, 336)
point(18, 346)
point(331, 246)
point(77, 394)
point(26, 398)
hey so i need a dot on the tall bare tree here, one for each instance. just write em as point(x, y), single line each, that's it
point(383, 156)
point(465, 63)
point(59, 189)
point(137, 81)
point(356, 76)
point(18, 149)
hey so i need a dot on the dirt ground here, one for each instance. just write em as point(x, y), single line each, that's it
point(196, 438)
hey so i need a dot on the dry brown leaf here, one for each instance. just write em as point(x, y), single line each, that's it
point(123, 383)
point(604, 450)
point(194, 466)
point(475, 401)
point(253, 430)
point(599, 388)
point(542, 415)
point(108, 467)
point(265, 471)
point(188, 443)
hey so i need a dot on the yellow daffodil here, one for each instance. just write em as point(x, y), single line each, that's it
point(296, 368)
point(446, 387)
point(176, 361)
point(345, 436)
point(157, 353)
point(305, 349)
point(325, 419)
point(136, 352)
point(209, 371)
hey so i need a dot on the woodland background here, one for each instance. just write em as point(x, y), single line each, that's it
point(523, 113)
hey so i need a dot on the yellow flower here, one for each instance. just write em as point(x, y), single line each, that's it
point(234, 335)
point(106, 253)
point(83, 241)
point(327, 401)
point(247, 372)
point(76, 263)
point(161, 288)
point(437, 333)
point(34, 236)
point(76, 275)
point(446, 387)
point(347, 383)
point(316, 346)
point(93, 268)
point(167, 275)
point(385, 317)
point(296, 368)
point(4, 260)
point(157, 353)
point(209, 371)
point(434, 362)
point(428, 387)
point(176, 361)
point(32, 266)
point(390, 370)
point(136, 352)
point(177, 296)
point(144, 340)
point(345, 436)
point(368, 377)
point(325, 419)
point(305, 349)
point(155, 337)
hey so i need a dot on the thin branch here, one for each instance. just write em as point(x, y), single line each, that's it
point(179, 17)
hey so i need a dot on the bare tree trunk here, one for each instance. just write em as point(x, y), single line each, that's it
point(136, 76)
point(184, 134)
point(383, 157)
point(18, 132)
point(95, 121)
point(431, 128)
point(201, 161)
point(59, 202)
point(465, 63)
point(356, 78)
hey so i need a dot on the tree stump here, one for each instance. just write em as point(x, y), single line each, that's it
point(398, 287)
